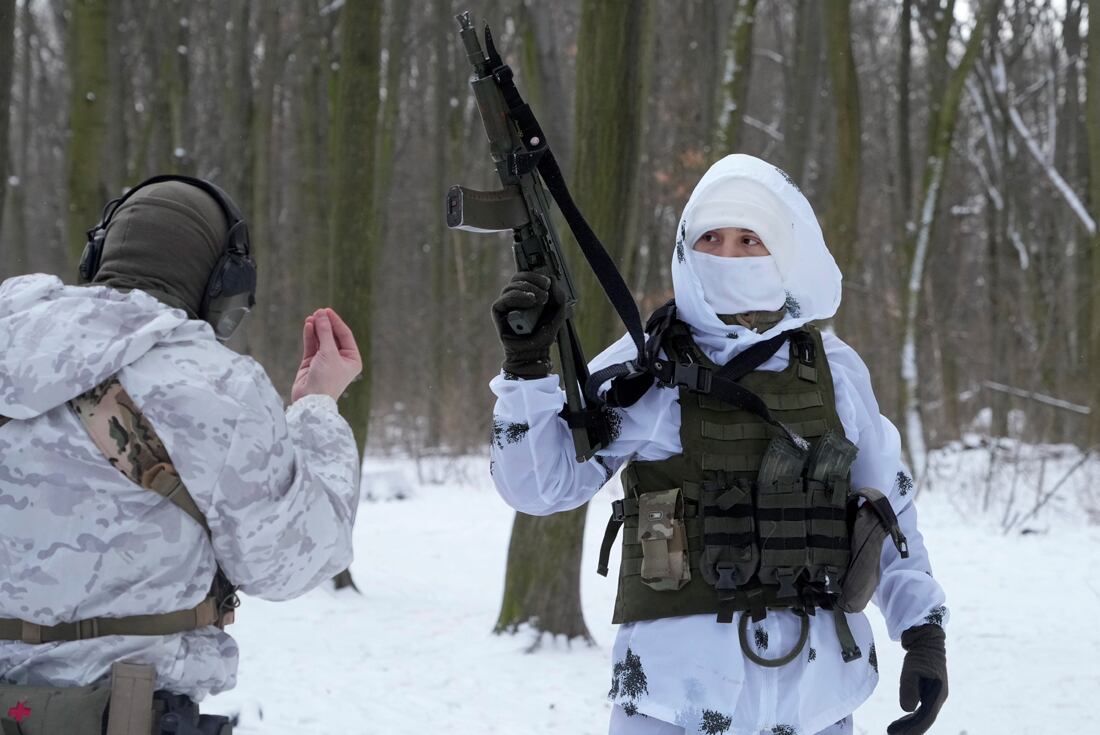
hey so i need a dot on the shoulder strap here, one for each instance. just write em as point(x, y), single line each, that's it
point(683, 371)
point(130, 444)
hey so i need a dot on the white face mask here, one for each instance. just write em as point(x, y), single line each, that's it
point(737, 285)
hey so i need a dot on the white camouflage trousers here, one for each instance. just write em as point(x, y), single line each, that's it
point(622, 724)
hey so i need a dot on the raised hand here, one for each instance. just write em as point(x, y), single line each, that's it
point(330, 357)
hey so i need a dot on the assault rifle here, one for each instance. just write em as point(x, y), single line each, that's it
point(527, 169)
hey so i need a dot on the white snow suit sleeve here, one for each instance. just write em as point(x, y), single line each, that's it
point(907, 594)
point(531, 452)
point(284, 503)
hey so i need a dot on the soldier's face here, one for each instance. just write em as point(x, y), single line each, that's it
point(731, 242)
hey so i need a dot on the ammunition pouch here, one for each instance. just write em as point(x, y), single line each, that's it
point(664, 541)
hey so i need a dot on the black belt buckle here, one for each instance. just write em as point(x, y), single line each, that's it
point(618, 511)
point(694, 377)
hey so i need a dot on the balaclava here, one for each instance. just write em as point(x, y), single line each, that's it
point(799, 278)
point(165, 240)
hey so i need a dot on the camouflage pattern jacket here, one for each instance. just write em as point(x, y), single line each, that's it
point(79, 540)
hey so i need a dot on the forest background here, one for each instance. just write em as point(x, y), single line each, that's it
point(951, 151)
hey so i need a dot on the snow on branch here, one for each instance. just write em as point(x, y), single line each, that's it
point(1051, 172)
point(1041, 398)
point(770, 130)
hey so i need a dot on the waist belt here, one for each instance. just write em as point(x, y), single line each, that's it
point(200, 616)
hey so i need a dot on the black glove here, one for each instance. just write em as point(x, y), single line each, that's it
point(528, 355)
point(923, 679)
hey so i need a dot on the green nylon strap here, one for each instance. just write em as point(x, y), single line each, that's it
point(848, 648)
point(735, 432)
point(772, 663)
point(774, 401)
point(791, 401)
point(730, 462)
point(202, 615)
point(172, 488)
point(9, 727)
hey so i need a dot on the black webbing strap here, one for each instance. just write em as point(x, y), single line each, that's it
point(886, 515)
point(684, 371)
point(539, 150)
point(610, 532)
point(4, 420)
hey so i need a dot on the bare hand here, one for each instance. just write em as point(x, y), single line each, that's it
point(330, 357)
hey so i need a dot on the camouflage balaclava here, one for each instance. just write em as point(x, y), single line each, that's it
point(165, 240)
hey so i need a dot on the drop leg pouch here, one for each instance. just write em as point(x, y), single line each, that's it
point(46, 710)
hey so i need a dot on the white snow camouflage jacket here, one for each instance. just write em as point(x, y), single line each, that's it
point(690, 670)
point(79, 540)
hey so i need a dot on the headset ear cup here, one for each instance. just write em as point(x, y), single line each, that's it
point(93, 252)
point(230, 294)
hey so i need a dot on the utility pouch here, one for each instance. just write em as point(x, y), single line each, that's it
point(730, 553)
point(121, 705)
point(34, 710)
point(874, 521)
point(665, 564)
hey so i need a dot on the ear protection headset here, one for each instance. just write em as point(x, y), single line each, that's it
point(231, 291)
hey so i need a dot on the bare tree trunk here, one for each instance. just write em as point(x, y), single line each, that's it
point(7, 56)
point(542, 582)
point(905, 161)
point(19, 246)
point(841, 231)
point(802, 91)
point(355, 125)
point(1092, 123)
point(918, 245)
point(87, 120)
point(735, 82)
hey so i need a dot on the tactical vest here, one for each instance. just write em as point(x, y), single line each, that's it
point(130, 444)
point(748, 517)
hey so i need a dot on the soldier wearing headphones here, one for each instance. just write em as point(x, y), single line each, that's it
point(147, 472)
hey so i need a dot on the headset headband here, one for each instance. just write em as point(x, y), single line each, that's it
point(237, 233)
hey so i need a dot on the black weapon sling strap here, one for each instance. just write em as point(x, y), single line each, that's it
point(110, 401)
point(540, 157)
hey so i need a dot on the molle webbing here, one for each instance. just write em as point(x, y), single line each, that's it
point(755, 542)
point(126, 438)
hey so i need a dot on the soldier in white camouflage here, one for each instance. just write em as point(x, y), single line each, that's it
point(82, 539)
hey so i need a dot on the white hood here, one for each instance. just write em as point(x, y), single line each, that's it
point(57, 341)
point(774, 208)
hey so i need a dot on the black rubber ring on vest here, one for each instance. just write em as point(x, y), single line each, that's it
point(771, 663)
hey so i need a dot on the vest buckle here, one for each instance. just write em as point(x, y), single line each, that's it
point(695, 377)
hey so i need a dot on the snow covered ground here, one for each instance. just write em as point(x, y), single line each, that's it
point(415, 654)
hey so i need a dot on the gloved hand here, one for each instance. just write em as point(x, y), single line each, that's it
point(923, 679)
point(528, 355)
